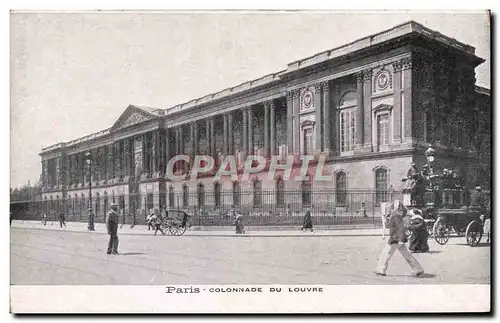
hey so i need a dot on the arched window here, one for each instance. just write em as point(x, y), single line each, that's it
point(257, 193)
point(185, 196)
point(305, 189)
point(97, 203)
point(201, 196)
point(83, 207)
point(217, 194)
point(69, 206)
point(381, 185)
point(280, 192)
point(106, 203)
point(76, 206)
point(236, 194)
point(347, 121)
point(171, 197)
point(46, 206)
point(341, 188)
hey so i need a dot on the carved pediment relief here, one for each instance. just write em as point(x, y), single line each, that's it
point(131, 116)
point(134, 118)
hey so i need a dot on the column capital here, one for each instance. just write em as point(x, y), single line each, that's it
point(317, 87)
point(269, 104)
point(359, 77)
point(407, 63)
point(292, 94)
point(367, 75)
point(324, 85)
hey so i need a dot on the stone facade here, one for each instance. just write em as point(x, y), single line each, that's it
point(370, 108)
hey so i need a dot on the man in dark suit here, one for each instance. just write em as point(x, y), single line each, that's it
point(112, 226)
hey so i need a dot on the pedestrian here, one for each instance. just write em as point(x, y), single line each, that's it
point(420, 235)
point(238, 222)
point(112, 227)
point(155, 221)
point(308, 223)
point(91, 220)
point(62, 220)
point(397, 240)
point(148, 219)
point(44, 219)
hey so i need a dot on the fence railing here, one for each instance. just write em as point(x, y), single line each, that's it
point(260, 207)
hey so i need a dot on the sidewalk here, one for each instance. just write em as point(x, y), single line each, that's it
point(100, 228)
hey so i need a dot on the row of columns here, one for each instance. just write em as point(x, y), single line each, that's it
point(228, 142)
point(116, 161)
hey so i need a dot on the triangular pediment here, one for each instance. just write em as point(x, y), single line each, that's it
point(131, 116)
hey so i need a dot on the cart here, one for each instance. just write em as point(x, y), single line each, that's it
point(176, 221)
point(462, 221)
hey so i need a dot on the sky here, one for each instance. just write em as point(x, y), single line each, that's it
point(72, 74)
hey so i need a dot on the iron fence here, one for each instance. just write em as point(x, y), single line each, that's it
point(269, 207)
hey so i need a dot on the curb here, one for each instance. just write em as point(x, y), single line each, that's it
point(187, 234)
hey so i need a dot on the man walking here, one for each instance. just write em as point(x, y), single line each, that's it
point(396, 241)
point(112, 226)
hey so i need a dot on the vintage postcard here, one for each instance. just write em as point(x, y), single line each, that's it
point(250, 161)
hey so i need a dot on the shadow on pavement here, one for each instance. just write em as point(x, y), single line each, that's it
point(133, 253)
point(424, 275)
point(433, 251)
point(482, 244)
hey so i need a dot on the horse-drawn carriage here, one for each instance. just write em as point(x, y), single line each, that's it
point(175, 221)
point(441, 199)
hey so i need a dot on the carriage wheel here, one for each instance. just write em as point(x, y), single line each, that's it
point(473, 233)
point(441, 232)
point(177, 230)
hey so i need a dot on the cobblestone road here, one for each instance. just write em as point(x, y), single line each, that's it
point(69, 257)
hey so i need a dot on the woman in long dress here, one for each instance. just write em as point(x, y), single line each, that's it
point(420, 235)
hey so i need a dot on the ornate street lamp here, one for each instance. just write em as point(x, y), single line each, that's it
point(429, 155)
point(88, 159)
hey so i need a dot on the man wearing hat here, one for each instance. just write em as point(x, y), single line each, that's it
point(112, 226)
point(90, 226)
point(477, 202)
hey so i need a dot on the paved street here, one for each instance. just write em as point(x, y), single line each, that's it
point(68, 257)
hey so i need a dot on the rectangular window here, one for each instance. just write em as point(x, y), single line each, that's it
point(347, 129)
point(383, 129)
point(308, 141)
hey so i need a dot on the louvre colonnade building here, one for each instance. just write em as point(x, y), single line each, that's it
point(371, 107)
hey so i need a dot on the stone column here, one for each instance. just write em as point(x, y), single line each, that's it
point(155, 152)
point(125, 158)
point(110, 164)
point(45, 173)
point(194, 138)
point(212, 138)
point(250, 131)
point(289, 121)
point(296, 121)
point(272, 134)
point(266, 129)
point(327, 146)
point(209, 137)
point(397, 66)
point(230, 138)
point(225, 135)
point(145, 160)
point(318, 118)
point(408, 99)
point(360, 112)
point(118, 162)
point(168, 150)
point(245, 132)
point(58, 172)
point(367, 111)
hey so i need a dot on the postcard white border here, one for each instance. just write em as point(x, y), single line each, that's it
point(333, 299)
